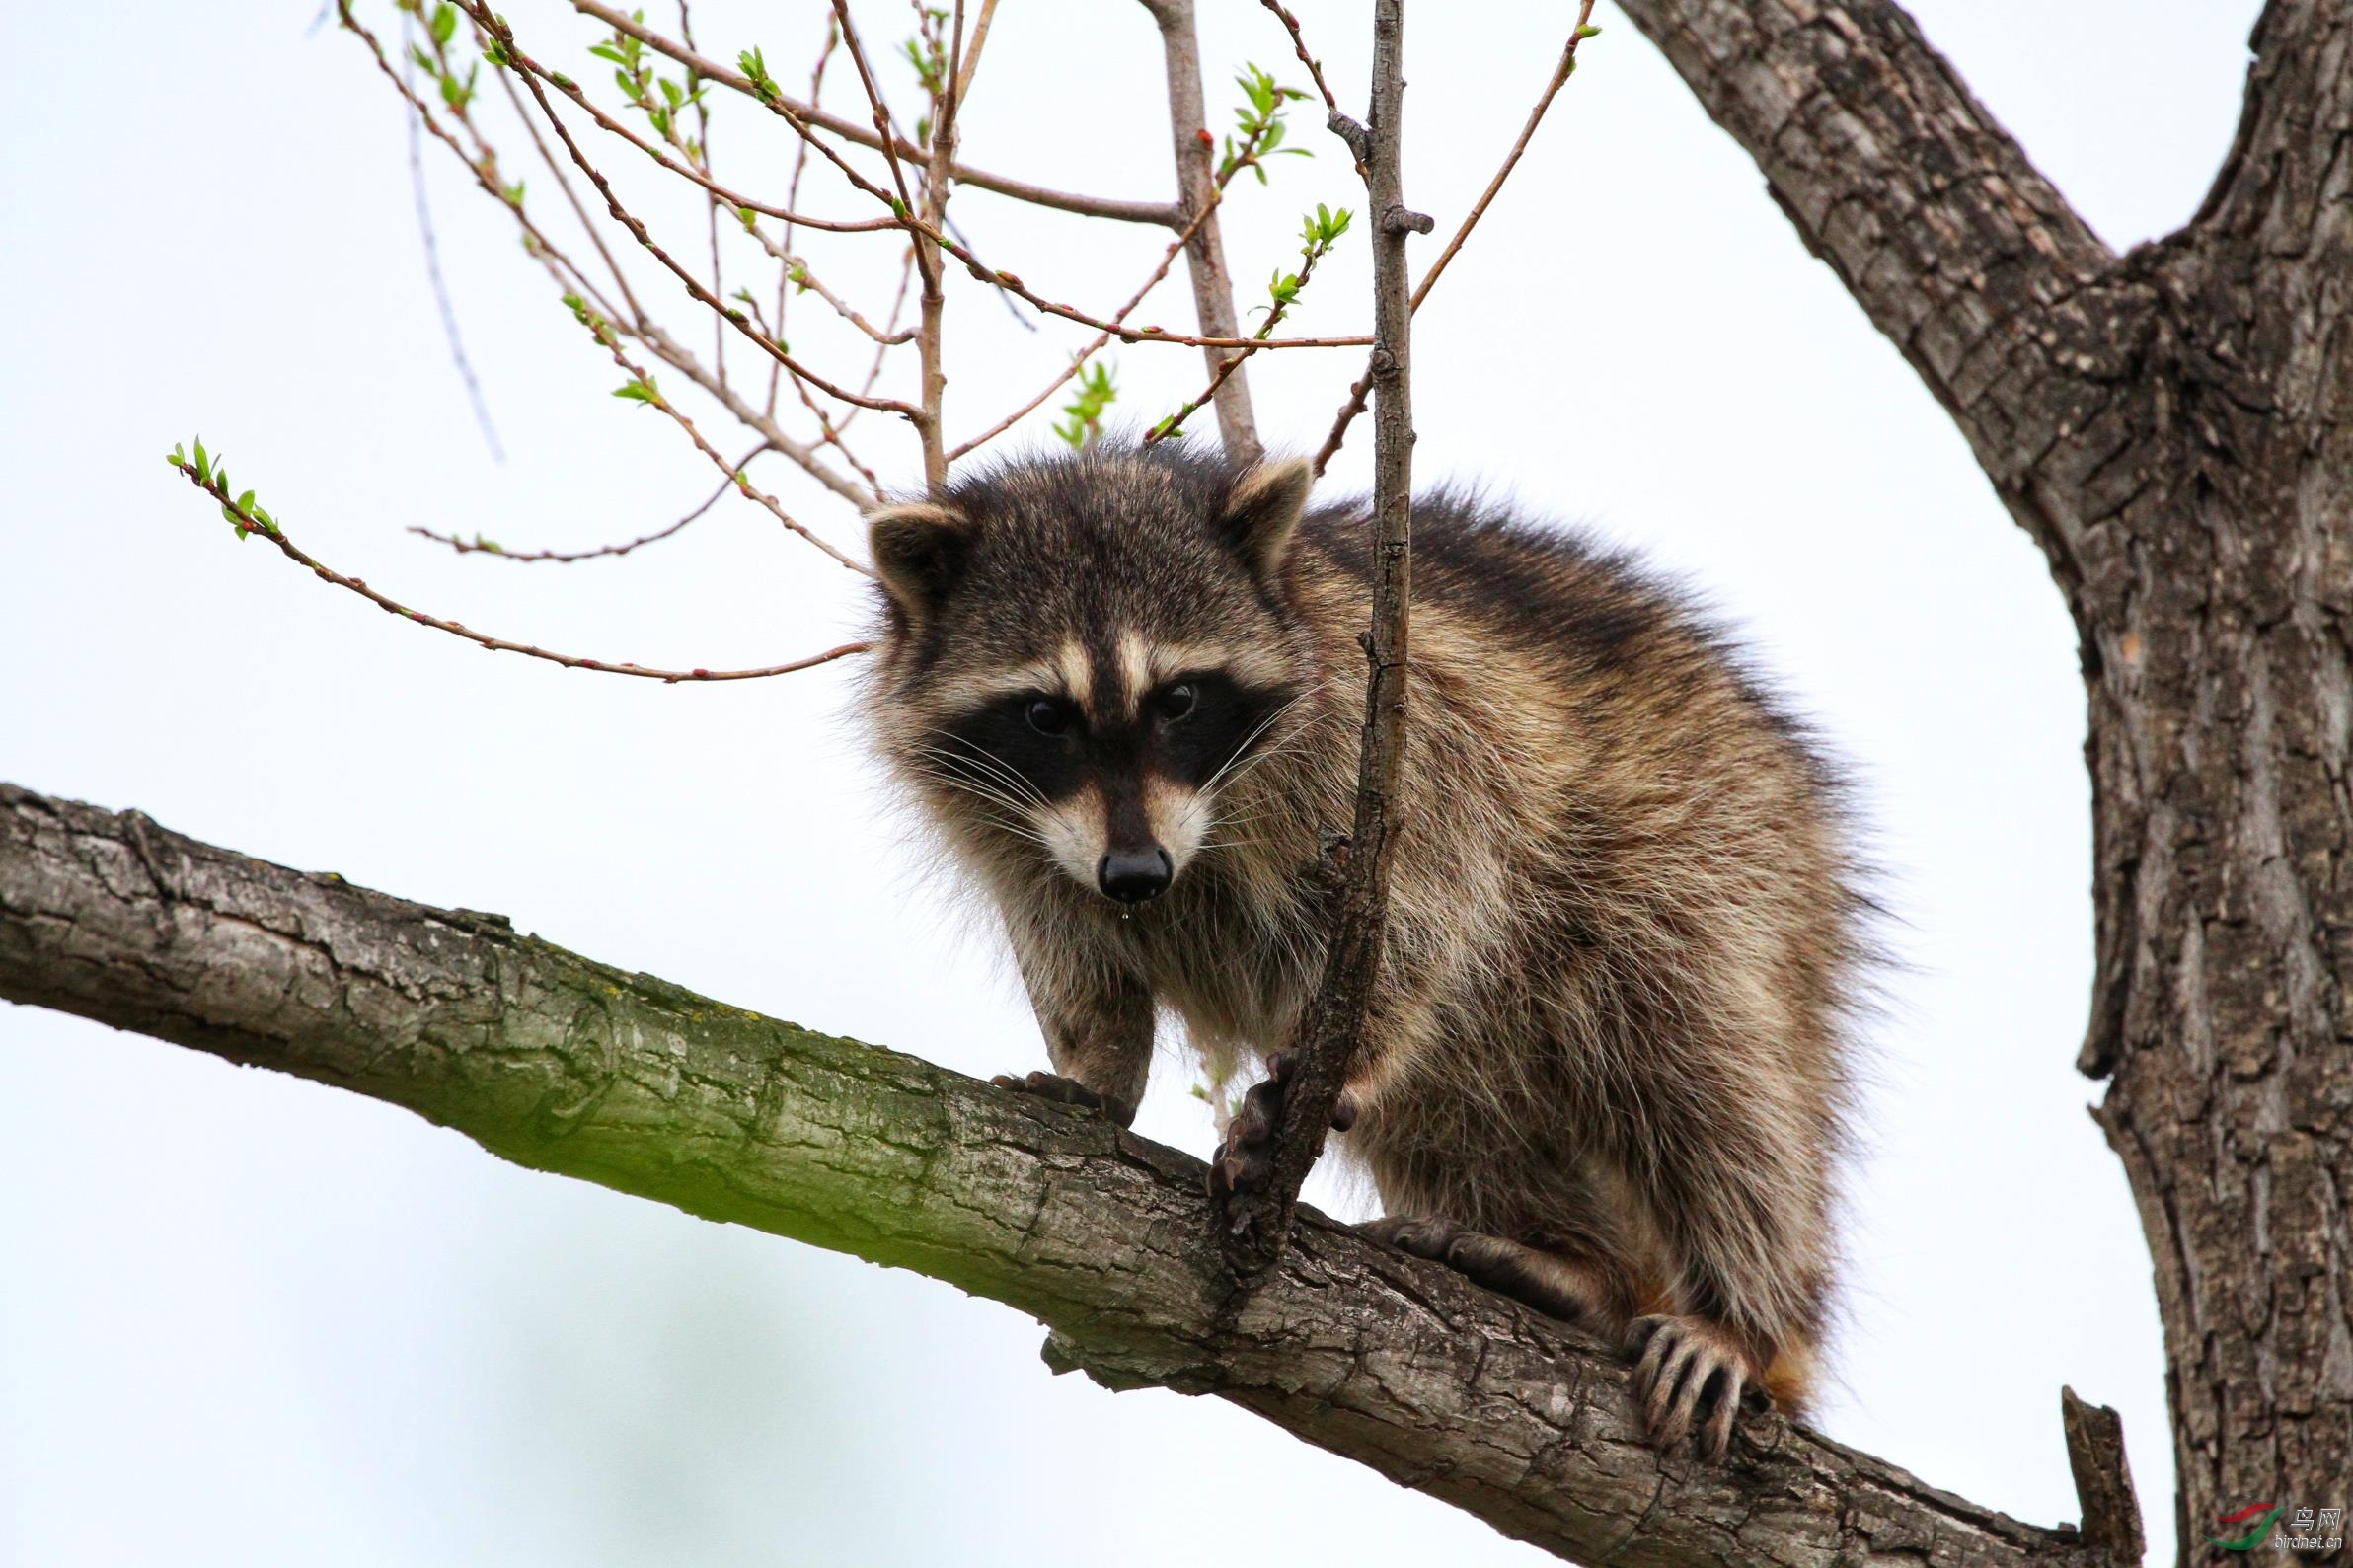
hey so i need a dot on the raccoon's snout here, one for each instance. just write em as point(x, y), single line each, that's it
point(1134, 876)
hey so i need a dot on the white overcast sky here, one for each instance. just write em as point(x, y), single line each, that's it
point(245, 1320)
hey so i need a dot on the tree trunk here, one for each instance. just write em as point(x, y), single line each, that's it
point(2171, 427)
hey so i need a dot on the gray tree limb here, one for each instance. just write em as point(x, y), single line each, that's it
point(568, 1066)
point(2174, 428)
point(1942, 228)
point(1206, 251)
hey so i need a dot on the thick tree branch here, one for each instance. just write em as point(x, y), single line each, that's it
point(566, 1066)
point(1970, 261)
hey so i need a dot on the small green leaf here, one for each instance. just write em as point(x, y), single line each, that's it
point(445, 23)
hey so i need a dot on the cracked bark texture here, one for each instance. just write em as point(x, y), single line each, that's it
point(568, 1066)
point(2175, 429)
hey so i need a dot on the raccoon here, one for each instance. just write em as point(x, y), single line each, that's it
point(1605, 1071)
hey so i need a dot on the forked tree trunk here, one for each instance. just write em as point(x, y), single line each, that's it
point(2174, 428)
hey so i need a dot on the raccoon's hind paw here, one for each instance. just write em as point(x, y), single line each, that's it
point(1244, 1161)
point(1550, 1284)
point(1067, 1091)
point(1689, 1370)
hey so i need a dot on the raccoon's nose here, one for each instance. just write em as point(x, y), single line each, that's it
point(1134, 876)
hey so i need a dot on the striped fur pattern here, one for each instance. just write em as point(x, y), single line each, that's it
point(1607, 1066)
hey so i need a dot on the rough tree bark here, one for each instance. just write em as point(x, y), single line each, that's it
point(2174, 428)
point(566, 1066)
point(1205, 252)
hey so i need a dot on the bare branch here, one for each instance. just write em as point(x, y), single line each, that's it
point(569, 1067)
point(1511, 160)
point(1894, 174)
point(479, 546)
point(2103, 1480)
point(1255, 1225)
point(432, 272)
point(1196, 196)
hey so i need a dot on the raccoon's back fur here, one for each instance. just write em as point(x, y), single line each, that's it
point(1606, 1066)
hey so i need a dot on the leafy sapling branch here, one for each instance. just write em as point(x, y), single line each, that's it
point(1083, 414)
point(1320, 231)
point(1260, 125)
point(659, 98)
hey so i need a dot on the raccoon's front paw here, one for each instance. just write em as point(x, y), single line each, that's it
point(1067, 1091)
point(1244, 1161)
point(1686, 1370)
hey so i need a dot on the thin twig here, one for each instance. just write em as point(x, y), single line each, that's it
point(1174, 425)
point(479, 546)
point(432, 272)
point(1315, 68)
point(1560, 75)
point(885, 136)
point(980, 271)
point(571, 197)
point(1158, 271)
point(558, 264)
point(718, 331)
point(277, 535)
point(796, 272)
point(800, 152)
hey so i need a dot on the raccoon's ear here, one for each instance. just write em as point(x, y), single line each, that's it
point(919, 549)
point(1263, 510)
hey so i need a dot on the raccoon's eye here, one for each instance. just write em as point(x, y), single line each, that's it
point(1047, 717)
point(1178, 701)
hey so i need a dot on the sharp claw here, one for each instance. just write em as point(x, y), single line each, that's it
point(1654, 1347)
point(1717, 1438)
point(1669, 1409)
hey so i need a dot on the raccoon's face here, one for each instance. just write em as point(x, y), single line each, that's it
point(1081, 652)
